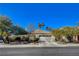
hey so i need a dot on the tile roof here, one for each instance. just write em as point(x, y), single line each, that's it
point(40, 31)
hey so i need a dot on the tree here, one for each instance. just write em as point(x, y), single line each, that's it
point(5, 23)
point(57, 33)
point(49, 28)
point(68, 32)
point(76, 29)
point(30, 28)
point(17, 30)
point(40, 25)
point(77, 23)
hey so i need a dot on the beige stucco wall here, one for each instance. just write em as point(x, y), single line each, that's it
point(75, 38)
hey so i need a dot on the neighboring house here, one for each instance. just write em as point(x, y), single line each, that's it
point(76, 37)
point(43, 35)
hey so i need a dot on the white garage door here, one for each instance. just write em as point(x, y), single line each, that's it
point(45, 39)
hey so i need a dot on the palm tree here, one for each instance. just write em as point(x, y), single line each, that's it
point(40, 25)
point(49, 29)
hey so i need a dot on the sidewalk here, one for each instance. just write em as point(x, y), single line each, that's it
point(54, 44)
point(24, 45)
point(66, 45)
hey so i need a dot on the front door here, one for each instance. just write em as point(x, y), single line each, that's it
point(69, 38)
point(78, 38)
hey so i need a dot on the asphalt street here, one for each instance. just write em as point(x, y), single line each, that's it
point(44, 51)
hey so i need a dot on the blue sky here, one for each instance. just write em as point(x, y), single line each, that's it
point(53, 15)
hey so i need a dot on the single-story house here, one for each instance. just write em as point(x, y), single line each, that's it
point(43, 35)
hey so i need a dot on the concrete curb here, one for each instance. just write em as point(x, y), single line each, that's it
point(54, 44)
point(25, 46)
